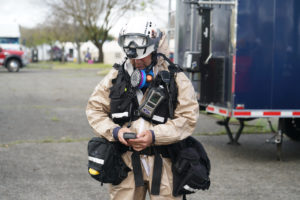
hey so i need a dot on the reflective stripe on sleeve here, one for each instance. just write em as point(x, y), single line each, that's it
point(119, 115)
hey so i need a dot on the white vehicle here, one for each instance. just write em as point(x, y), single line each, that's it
point(12, 57)
point(10, 36)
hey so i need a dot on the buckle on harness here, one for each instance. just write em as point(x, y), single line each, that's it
point(149, 151)
point(136, 113)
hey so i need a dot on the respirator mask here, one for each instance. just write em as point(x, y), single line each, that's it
point(141, 78)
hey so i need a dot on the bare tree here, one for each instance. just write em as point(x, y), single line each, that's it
point(96, 17)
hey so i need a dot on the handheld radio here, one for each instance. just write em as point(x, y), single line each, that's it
point(128, 136)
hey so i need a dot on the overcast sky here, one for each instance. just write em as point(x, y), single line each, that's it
point(24, 12)
point(29, 13)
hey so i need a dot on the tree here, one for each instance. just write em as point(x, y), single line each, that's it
point(96, 17)
point(36, 36)
point(41, 34)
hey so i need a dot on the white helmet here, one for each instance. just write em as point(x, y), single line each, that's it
point(139, 37)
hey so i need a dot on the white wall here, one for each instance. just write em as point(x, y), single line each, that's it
point(43, 52)
point(112, 52)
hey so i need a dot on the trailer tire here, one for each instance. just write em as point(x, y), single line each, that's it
point(13, 65)
point(291, 128)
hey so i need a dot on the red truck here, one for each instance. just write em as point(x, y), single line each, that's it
point(12, 60)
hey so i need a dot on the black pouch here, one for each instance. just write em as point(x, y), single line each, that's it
point(162, 112)
point(105, 162)
point(190, 167)
point(118, 114)
point(121, 97)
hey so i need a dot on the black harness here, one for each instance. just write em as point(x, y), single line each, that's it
point(124, 105)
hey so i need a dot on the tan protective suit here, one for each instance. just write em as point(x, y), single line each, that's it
point(182, 126)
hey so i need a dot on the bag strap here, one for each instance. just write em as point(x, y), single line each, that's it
point(157, 171)
point(137, 169)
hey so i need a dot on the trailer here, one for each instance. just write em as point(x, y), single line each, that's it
point(243, 58)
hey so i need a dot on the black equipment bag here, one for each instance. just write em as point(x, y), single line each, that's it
point(190, 167)
point(106, 162)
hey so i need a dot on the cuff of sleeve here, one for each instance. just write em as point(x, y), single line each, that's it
point(115, 133)
point(153, 136)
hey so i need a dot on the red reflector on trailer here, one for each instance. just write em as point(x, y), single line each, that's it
point(210, 108)
point(272, 113)
point(296, 113)
point(242, 113)
point(222, 111)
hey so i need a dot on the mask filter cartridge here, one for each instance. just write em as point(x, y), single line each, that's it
point(140, 78)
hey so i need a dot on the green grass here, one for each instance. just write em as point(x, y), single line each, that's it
point(68, 65)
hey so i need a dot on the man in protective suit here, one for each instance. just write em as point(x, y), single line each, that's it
point(110, 116)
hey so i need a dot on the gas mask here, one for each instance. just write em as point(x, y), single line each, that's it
point(141, 78)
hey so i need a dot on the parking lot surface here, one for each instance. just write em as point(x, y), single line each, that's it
point(44, 135)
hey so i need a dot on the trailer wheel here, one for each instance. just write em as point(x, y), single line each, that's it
point(13, 65)
point(291, 128)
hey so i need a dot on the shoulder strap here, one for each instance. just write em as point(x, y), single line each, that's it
point(117, 66)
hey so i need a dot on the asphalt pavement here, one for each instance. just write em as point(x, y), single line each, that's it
point(44, 135)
